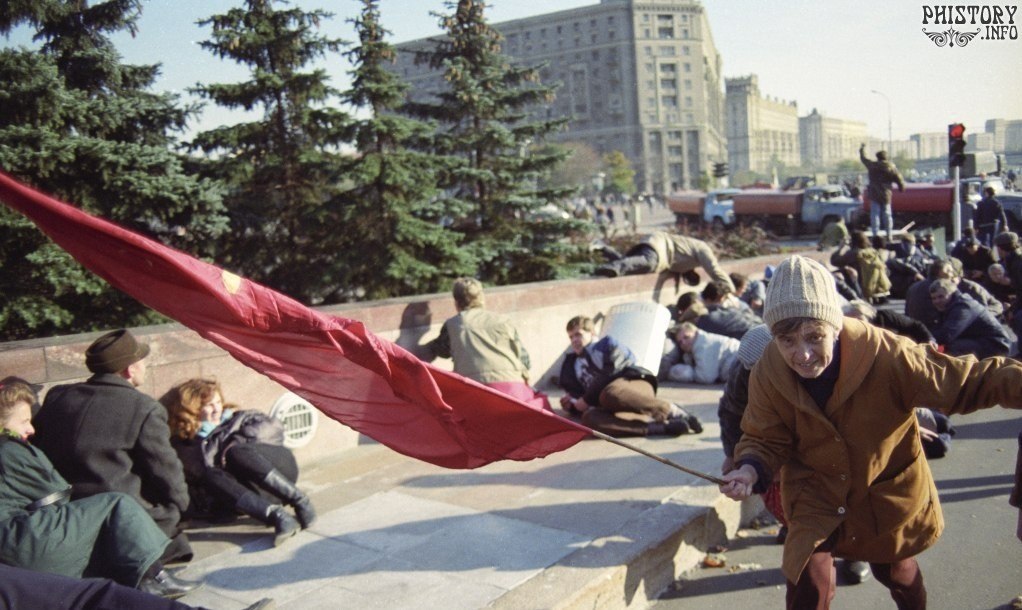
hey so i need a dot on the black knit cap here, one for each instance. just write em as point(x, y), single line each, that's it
point(114, 352)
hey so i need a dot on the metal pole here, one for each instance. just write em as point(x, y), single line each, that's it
point(956, 207)
point(662, 460)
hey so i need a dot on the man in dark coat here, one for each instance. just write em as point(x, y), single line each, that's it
point(882, 173)
point(105, 435)
point(966, 327)
point(990, 218)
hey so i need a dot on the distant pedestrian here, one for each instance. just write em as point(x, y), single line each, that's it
point(990, 218)
point(882, 174)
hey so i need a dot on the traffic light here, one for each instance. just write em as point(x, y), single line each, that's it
point(719, 170)
point(955, 145)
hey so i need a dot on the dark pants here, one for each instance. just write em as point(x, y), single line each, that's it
point(21, 589)
point(818, 584)
point(246, 466)
point(640, 258)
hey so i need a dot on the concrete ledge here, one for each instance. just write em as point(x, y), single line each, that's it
point(632, 568)
point(540, 310)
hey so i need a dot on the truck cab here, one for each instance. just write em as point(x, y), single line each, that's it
point(824, 204)
point(714, 208)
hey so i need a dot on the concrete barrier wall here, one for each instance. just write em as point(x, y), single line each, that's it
point(540, 311)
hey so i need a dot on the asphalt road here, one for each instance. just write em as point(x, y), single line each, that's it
point(976, 565)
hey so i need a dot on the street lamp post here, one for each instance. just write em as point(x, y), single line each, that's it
point(889, 139)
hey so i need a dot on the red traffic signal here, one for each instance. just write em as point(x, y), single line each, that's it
point(956, 145)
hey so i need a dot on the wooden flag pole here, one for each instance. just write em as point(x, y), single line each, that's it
point(662, 460)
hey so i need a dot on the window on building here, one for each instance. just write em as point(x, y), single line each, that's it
point(661, 19)
point(648, 66)
point(684, 33)
point(645, 17)
point(528, 35)
point(610, 20)
point(646, 33)
point(595, 55)
point(688, 84)
point(650, 84)
point(592, 24)
point(669, 101)
point(668, 68)
point(647, 51)
point(685, 50)
point(688, 101)
point(611, 34)
point(592, 38)
point(575, 26)
point(665, 32)
point(674, 151)
point(668, 83)
point(667, 51)
point(688, 67)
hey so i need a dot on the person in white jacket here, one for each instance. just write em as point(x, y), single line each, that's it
point(694, 355)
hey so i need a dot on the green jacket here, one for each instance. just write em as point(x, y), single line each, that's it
point(108, 535)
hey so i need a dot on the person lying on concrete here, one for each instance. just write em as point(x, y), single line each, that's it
point(733, 323)
point(831, 412)
point(106, 534)
point(602, 381)
point(664, 252)
point(897, 323)
point(20, 588)
point(235, 460)
point(692, 355)
point(966, 327)
point(485, 346)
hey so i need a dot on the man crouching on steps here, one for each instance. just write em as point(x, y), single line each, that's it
point(602, 380)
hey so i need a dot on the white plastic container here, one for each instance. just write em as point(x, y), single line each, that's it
point(642, 327)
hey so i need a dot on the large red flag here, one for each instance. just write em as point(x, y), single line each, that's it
point(353, 376)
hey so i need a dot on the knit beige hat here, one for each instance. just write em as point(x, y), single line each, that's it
point(802, 288)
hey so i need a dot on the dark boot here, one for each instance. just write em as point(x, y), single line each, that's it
point(256, 506)
point(285, 489)
point(162, 583)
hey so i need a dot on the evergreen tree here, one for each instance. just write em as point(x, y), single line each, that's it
point(81, 125)
point(484, 119)
point(283, 170)
point(396, 242)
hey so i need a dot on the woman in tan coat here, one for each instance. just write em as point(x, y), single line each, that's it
point(831, 413)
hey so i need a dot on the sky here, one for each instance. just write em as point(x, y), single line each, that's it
point(863, 60)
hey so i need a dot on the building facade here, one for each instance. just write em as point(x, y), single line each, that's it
point(825, 141)
point(639, 76)
point(762, 132)
point(1006, 135)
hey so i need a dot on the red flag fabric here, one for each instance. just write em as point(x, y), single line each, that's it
point(365, 382)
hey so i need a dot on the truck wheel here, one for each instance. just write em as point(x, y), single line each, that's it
point(717, 224)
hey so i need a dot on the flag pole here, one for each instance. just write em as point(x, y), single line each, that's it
point(662, 460)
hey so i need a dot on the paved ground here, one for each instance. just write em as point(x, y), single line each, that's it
point(596, 526)
point(976, 565)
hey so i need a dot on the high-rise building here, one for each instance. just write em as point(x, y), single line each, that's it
point(1007, 135)
point(639, 76)
point(826, 140)
point(762, 132)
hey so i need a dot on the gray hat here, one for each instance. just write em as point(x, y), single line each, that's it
point(802, 288)
point(754, 342)
point(114, 352)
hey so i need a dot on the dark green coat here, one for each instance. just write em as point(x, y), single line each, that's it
point(107, 535)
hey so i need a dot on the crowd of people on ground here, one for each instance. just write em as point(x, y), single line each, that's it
point(100, 481)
